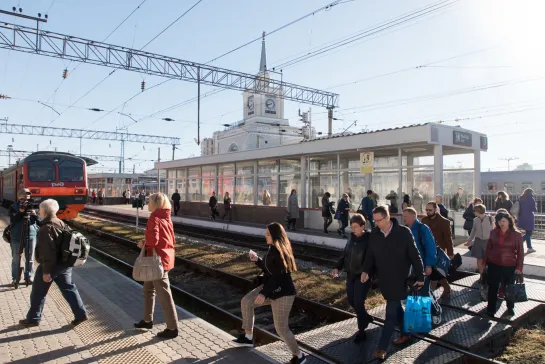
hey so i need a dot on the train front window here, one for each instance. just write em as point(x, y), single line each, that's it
point(71, 171)
point(41, 170)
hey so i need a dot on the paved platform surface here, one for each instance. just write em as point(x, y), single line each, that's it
point(114, 303)
point(464, 326)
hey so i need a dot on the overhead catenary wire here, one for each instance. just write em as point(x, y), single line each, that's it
point(371, 31)
point(79, 64)
point(426, 10)
point(213, 92)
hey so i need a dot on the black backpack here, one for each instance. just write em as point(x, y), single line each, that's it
point(6, 235)
point(74, 247)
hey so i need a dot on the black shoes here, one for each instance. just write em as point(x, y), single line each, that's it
point(360, 337)
point(168, 334)
point(79, 321)
point(26, 323)
point(242, 340)
point(143, 325)
point(301, 360)
point(165, 334)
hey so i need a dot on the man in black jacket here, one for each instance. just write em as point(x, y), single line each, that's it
point(52, 268)
point(392, 251)
point(176, 202)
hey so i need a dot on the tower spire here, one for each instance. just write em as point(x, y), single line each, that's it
point(263, 63)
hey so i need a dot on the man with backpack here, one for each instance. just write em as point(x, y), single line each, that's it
point(442, 233)
point(51, 254)
point(425, 243)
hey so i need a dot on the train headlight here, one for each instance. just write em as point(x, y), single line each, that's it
point(79, 190)
point(35, 191)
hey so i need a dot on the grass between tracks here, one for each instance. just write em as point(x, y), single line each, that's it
point(310, 283)
point(527, 346)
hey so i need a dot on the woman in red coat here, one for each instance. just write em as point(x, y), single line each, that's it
point(504, 257)
point(160, 236)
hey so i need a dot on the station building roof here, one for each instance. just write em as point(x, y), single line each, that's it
point(417, 140)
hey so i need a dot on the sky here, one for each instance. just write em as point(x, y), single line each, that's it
point(474, 63)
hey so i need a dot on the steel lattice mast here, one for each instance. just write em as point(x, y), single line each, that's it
point(31, 40)
point(6, 128)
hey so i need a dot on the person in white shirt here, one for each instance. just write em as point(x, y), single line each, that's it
point(480, 233)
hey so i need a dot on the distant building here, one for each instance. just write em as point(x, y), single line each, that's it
point(207, 146)
point(263, 124)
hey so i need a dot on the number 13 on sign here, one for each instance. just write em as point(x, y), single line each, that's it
point(366, 162)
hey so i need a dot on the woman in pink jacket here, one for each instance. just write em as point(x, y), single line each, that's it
point(160, 236)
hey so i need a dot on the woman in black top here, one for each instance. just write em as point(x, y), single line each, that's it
point(469, 215)
point(226, 206)
point(276, 289)
point(326, 211)
point(352, 262)
point(503, 202)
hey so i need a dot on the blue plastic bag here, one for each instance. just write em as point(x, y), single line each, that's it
point(417, 318)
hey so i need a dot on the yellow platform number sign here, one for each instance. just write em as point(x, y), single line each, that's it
point(366, 162)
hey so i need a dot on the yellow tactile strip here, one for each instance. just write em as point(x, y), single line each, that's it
point(103, 336)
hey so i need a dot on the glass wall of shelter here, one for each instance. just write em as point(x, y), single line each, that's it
point(269, 182)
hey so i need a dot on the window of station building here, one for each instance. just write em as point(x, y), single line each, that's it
point(267, 167)
point(492, 186)
point(245, 168)
point(208, 182)
point(287, 183)
point(244, 194)
point(526, 185)
point(509, 187)
point(319, 183)
point(71, 171)
point(543, 186)
point(194, 189)
point(269, 184)
point(323, 163)
point(226, 180)
point(290, 166)
point(41, 170)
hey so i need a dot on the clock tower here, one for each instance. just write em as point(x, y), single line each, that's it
point(264, 108)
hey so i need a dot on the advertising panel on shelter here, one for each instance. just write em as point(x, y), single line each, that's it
point(366, 162)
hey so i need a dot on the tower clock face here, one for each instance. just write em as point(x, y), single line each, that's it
point(251, 103)
point(270, 104)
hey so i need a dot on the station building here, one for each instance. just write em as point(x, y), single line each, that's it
point(391, 162)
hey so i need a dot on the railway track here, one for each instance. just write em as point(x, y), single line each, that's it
point(223, 310)
point(317, 254)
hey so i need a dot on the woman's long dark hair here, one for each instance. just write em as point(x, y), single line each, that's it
point(283, 245)
point(407, 199)
point(501, 215)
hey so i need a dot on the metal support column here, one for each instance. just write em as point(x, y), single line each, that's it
point(198, 106)
point(477, 173)
point(338, 177)
point(410, 176)
point(438, 169)
point(329, 122)
point(256, 196)
point(158, 170)
point(186, 183)
point(400, 188)
point(304, 182)
point(216, 183)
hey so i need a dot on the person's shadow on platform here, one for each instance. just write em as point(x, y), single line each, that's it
point(32, 334)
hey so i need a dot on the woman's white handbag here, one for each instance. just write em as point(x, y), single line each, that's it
point(147, 268)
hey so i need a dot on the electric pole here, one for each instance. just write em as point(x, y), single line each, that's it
point(509, 159)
